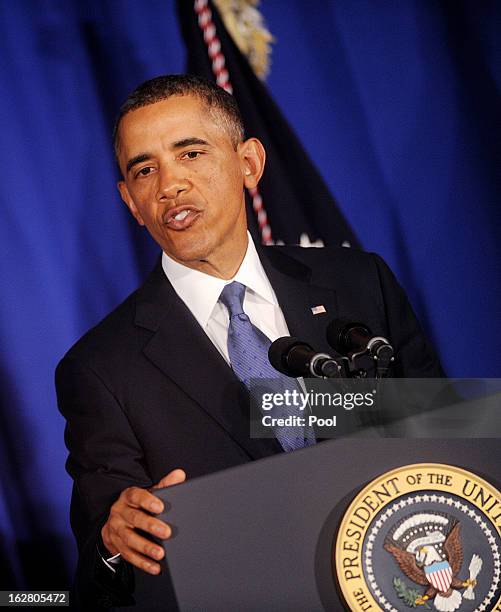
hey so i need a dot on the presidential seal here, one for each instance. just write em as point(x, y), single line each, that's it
point(424, 536)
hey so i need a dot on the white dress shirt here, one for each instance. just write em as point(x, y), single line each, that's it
point(200, 292)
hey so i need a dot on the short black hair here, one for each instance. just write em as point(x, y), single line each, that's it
point(219, 102)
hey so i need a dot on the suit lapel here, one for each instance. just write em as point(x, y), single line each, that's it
point(182, 351)
point(297, 293)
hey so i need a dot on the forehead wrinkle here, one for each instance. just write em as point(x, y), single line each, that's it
point(204, 113)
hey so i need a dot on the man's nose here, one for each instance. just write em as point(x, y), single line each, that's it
point(171, 184)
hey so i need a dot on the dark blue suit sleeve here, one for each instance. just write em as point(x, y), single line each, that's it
point(104, 459)
point(414, 355)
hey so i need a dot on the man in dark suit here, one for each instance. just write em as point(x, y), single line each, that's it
point(150, 394)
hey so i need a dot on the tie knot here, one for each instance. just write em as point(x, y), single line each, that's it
point(232, 296)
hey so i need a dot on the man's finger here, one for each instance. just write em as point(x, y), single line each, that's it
point(141, 498)
point(137, 518)
point(175, 477)
point(136, 543)
point(140, 561)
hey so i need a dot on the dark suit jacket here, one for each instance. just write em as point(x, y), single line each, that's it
point(145, 391)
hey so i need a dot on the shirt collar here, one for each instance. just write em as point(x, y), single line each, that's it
point(200, 291)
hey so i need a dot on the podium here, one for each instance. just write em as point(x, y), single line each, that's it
point(330, 527)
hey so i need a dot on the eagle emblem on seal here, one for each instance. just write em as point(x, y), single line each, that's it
point(428, 549)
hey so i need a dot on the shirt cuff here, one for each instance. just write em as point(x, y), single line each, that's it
point(112, 561)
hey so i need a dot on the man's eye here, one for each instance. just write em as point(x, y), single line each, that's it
point(145, 171)
point(192, 154)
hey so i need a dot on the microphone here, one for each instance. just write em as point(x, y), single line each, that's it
point(354, 339)
point(294, 358)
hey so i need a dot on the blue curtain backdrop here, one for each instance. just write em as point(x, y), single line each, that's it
point(397, 102)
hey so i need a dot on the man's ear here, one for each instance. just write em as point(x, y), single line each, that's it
point(253, 159)
point(128, 201)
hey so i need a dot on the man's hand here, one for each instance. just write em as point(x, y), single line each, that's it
point(128, 513)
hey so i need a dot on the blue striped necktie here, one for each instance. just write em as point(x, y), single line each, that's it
point(248, 351)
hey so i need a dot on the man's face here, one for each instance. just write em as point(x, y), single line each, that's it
point(184, 180)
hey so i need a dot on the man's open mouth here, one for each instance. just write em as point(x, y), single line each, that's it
point(181, 218)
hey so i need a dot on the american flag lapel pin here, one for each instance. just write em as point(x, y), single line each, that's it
point(320, 309)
